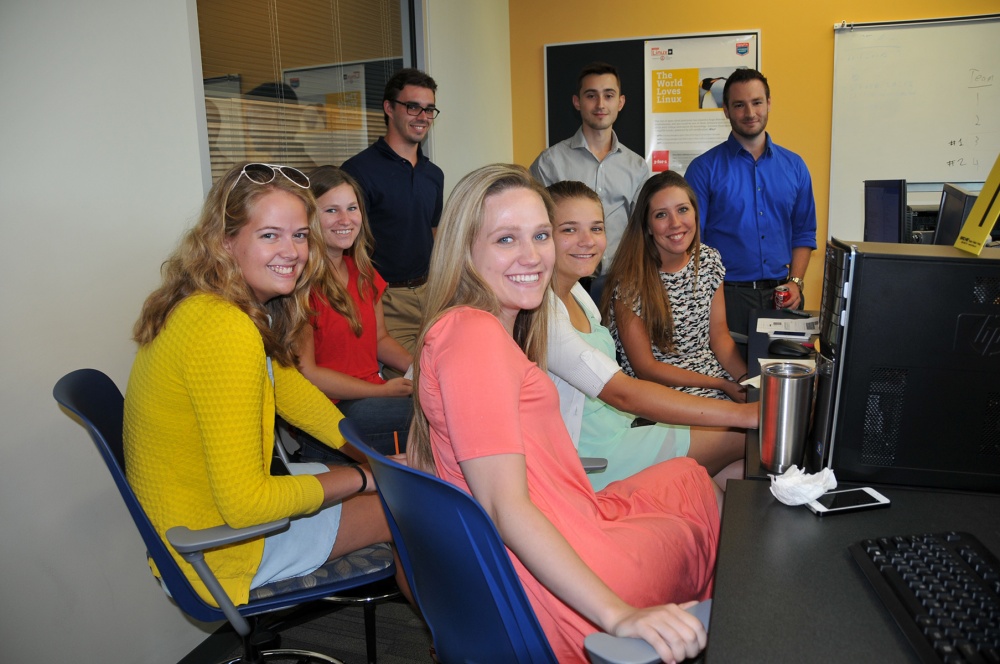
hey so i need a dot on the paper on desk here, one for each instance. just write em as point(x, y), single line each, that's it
point(764, 361)
point(789, 328)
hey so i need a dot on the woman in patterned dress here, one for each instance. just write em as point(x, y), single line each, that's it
point(663, 299)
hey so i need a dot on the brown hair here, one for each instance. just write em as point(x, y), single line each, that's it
point(634, 275)
point(322, 180)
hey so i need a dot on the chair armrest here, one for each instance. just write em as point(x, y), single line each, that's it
point(191, 544)
point(606, 649)
point(593, 464)
point(184, 540)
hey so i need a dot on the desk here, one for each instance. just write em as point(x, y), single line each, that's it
point(787, 590)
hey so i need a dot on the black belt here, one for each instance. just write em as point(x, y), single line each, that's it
point(757, 285)
point(409, 283)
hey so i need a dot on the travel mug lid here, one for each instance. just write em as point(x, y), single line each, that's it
point(787, 370)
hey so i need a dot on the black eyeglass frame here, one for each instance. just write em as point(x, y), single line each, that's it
point(411, 106)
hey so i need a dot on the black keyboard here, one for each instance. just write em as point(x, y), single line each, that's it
point(943, 591)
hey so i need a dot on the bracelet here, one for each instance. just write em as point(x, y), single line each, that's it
point(364, 478)
point(741, 378)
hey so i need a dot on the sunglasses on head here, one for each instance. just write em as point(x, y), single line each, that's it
point(264, 173)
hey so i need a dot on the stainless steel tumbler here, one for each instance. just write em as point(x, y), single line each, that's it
point(786, 391)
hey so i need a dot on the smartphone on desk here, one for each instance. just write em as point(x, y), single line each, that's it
point(847, 500)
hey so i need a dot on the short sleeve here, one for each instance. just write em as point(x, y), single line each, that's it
point(471, 378)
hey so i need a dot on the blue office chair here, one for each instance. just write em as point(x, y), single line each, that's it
point(96, 401)
point(461, 576)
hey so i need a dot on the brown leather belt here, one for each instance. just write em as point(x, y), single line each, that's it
point(409, 283)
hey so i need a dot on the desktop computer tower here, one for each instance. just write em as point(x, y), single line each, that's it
point(908, 369)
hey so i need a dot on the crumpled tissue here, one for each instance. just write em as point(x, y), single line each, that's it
point(797, 487)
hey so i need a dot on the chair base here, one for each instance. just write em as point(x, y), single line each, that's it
point(288, 655)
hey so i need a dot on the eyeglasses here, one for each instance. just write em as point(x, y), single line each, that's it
point(415, 109)
point(264, 173)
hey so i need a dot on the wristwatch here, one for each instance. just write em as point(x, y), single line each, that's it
point(798, 282)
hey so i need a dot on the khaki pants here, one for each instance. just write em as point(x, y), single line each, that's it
point(404, 310)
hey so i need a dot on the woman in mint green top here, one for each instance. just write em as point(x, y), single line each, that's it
point(597, 400)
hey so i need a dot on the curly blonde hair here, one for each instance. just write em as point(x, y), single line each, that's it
point(202, 264)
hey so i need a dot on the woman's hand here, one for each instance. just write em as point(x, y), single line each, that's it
point(397, 387)
point(734, 391)
point(673, 632)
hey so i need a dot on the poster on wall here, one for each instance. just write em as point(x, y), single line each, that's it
point(684, 78)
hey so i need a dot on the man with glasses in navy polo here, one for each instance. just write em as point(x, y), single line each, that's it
point(404, 195)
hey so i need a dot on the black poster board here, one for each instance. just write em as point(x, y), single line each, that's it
point(563, 63)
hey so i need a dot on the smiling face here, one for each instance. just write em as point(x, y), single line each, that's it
point(579, 239)
point(599, 101)
point(747, 109)
point(672, 223)
point(340, 217)
point(271, 249)
point(411, 128)
point(513, 252)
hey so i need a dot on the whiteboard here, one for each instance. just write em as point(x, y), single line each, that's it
point(917, 100)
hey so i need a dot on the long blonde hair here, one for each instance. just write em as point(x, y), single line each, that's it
point(322, 180)
point(634, 275)
point(202, 264)
point(454, 282)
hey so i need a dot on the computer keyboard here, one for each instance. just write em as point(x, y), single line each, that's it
point(943, 590)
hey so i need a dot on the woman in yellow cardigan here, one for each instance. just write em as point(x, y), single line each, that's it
point(215, 362)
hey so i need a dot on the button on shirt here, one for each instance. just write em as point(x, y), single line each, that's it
point(403, 204)
point(754, 212)
point(617, 179)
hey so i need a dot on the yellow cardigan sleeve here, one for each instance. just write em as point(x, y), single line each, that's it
point(301, 404)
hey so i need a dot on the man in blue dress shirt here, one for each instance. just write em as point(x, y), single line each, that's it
point(404, 195)
point(756, 205)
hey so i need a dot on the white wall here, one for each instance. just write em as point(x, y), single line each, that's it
point(99, 175)
point(468, 54)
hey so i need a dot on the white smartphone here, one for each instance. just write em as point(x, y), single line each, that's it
point(848, 500)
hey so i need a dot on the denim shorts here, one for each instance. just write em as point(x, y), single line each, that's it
point(305, 546)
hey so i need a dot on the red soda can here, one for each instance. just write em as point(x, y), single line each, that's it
point(781, 296)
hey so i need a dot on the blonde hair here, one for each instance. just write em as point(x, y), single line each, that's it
point(454, 282)
point(322, 180)
point(202, 264)
point(634, 275)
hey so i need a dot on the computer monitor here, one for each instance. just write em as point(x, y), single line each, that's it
point(885, 210)
point(956, 203)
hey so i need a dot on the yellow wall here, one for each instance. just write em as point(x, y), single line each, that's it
point(796, 54)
